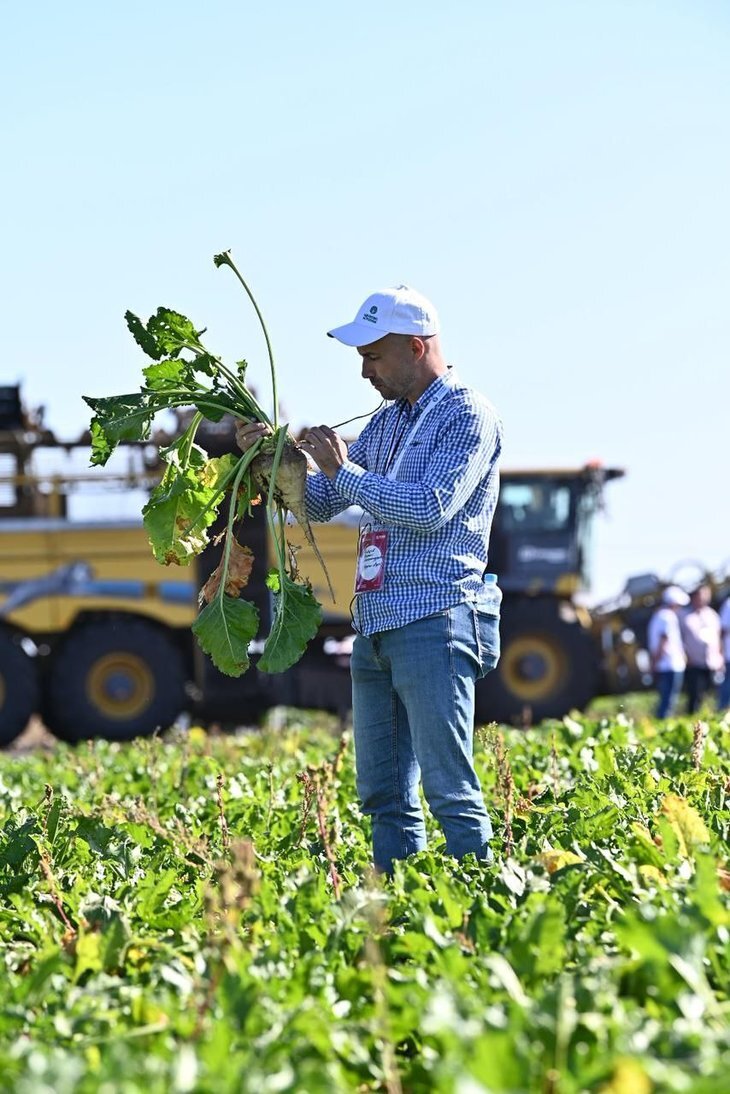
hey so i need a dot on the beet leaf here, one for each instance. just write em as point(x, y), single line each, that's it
point(224, 629)
point(297, 616)
point(193, 487)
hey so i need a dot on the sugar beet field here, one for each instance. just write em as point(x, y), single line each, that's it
point(196, 913)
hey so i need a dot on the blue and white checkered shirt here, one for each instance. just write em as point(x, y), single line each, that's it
point(437, 504)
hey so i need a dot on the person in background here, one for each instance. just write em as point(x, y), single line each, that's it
point(723, 699)
point(701, 637)
point(666, 650)
point(426, 612)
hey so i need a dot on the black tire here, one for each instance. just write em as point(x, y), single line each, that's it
point(547, 667)
point(19, 690)
point(114, 678)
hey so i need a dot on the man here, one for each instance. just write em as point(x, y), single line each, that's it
point(701, 636)
point(668, 658)
point(425, 472)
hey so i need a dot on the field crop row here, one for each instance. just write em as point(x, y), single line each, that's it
point(198, 914)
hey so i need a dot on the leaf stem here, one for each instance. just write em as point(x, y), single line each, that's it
point(271, 504)
point(239, 389)
point(243, 465)
point(190, 434)
point(225, 259)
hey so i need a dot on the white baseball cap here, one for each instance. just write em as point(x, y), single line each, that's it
point(400, 310)
point(675, 596)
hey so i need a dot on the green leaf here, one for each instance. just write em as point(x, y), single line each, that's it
point(104, 916)
point(184, 505)
point(88, 954)
point(97, 835)
point(16, 843)
point(172, 372)
point(146, 341)
point(206, 363)
point(224, 630)
point(122, 418)
point(166, 333)
point(52, 818)
point(101, 446)
point(297, 616)
point(224, 404)
point(172, 331)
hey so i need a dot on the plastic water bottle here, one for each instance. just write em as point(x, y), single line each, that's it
point(492, 594)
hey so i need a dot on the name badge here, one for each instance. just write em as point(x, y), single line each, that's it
point(371, 552)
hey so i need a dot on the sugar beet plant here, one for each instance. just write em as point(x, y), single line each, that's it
point(196, 915)
point(195, 488)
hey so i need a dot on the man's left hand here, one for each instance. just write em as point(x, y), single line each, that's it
point(326, 448)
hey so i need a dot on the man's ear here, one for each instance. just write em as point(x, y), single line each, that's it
point(418, 347)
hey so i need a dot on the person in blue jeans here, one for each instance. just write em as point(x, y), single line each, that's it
point(425, 473)
point(723, 698)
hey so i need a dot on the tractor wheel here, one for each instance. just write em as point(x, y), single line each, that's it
point(547, 667)
point(116, 679)
point(19, 691)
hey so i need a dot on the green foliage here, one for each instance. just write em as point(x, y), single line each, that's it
point(183, 505)
point(186, 502)
point(297, 616)
point(169, 920)
point(224, 629)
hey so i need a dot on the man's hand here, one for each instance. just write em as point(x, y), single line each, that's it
point(326, 448)
point(247, 433)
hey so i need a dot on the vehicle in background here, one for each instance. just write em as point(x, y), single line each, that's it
point(95, 635)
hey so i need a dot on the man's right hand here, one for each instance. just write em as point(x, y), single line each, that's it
point(247, 433)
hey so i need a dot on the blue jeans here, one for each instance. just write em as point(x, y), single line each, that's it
point(723, 699)
point(669, 687)
point(413, 717)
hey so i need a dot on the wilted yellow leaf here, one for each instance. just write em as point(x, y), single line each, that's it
point(687, 824)
point(93, 1057)
point(629, 1077)
point(556, 859)
point(145, 1012)
point(652, 875)
point(88, 953)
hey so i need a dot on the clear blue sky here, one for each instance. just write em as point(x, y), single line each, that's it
point(554, 175)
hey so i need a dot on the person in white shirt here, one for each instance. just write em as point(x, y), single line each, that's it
point(701, 637)
point(723, 699)
point(666, 650)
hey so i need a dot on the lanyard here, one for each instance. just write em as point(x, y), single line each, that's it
point(392, 471)
point(400, 429)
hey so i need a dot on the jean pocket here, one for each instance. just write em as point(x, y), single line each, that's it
point(487, 638)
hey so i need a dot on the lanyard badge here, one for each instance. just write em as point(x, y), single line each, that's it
point(373, 544)
point(371, 552)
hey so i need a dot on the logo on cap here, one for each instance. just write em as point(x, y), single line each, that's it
point(372, 315)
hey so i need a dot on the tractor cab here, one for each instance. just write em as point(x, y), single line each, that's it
point(541, 536)
point(540, 549)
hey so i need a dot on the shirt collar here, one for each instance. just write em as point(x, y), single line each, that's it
point(447, 379)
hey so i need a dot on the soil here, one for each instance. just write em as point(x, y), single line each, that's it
point(34, 736)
